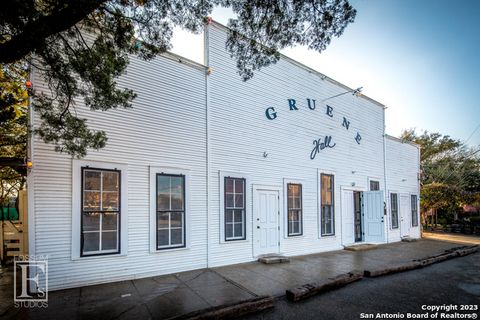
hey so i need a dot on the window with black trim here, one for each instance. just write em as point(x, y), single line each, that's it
point(234, 202)
point(394, 209)
point(100, 206)
point(294, 206)
point(327, 205)
point(374, 185)
point(170, 211)
point(413, 199)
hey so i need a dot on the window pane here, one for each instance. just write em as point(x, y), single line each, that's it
point(290, 202)
point(229, 200)
point(296, 227)
point(328, 198)
point(176, 219)
point(162, 238)
point(297, 203)
point(238, 201)
point(229, 215)
point(162, 220)
point(229, 230)
point(177, 185)
point(109, 221)
point(109, 240)
point(91, 221)
point(293, 190)
point(238, 230)
point(91, 241)
point(374, 185)
point(239, 186)
point(91, 180)
point(91, 200)
point(229, 185)
point(163, 183)
point(238, 216)
point(292, 215)
point(110, 180)
point(177, 201)
point(163, 202)
point(110, 201)
point(327, 219)
point(177, 237)
point(326, 182)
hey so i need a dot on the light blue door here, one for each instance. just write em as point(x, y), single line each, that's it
point(373, 215)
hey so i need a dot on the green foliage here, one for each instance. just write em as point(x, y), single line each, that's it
point(450, 171)
point(13, 127)
point(51, 36)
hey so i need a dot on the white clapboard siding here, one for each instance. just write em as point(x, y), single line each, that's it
point(240, 134)
point(402, 169)
point(165, 127)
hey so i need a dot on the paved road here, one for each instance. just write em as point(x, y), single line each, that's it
point(455, 282)
point(452, 237)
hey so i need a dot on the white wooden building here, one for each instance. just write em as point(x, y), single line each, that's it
point(207, 170)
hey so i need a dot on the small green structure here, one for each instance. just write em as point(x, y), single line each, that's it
point(8, 213)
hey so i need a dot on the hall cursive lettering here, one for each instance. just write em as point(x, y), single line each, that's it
point(321, 144)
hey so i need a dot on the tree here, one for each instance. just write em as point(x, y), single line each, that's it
point(51, 36)
point(450, 171)
point(13, 130)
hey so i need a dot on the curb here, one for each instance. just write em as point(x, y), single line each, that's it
point(420, 263)
point(311, 289)
point(229, 311)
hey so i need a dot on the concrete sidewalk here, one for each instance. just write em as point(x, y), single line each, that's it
point(174, 295)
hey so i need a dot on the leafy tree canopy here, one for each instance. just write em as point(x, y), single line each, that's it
point(46, 33)
point(450, 170)
point(13, 128)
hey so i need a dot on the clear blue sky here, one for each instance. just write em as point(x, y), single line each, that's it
point(421, 58)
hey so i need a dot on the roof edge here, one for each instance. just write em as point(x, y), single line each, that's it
point(309, 69)
point(396, 139)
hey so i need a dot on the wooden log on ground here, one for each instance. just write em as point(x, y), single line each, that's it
point(439, 258)
point(231, 310)
point(394, 269)
point(312, 289)
point(467, 251)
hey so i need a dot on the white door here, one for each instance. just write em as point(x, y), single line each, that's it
point(373, 214)
point(347, 217)
point(404, 215)
point(266, 222)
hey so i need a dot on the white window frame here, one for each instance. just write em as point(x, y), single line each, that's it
point(226, 174)
point(77, 166)
point(319, 204)
point(287, 181)
point(154, 170)
point(374, 179)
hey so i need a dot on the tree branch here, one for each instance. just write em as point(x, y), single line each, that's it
point(34, 34)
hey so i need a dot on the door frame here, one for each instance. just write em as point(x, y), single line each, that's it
point(353, 189)
point(408, 215)
point(278, 189)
